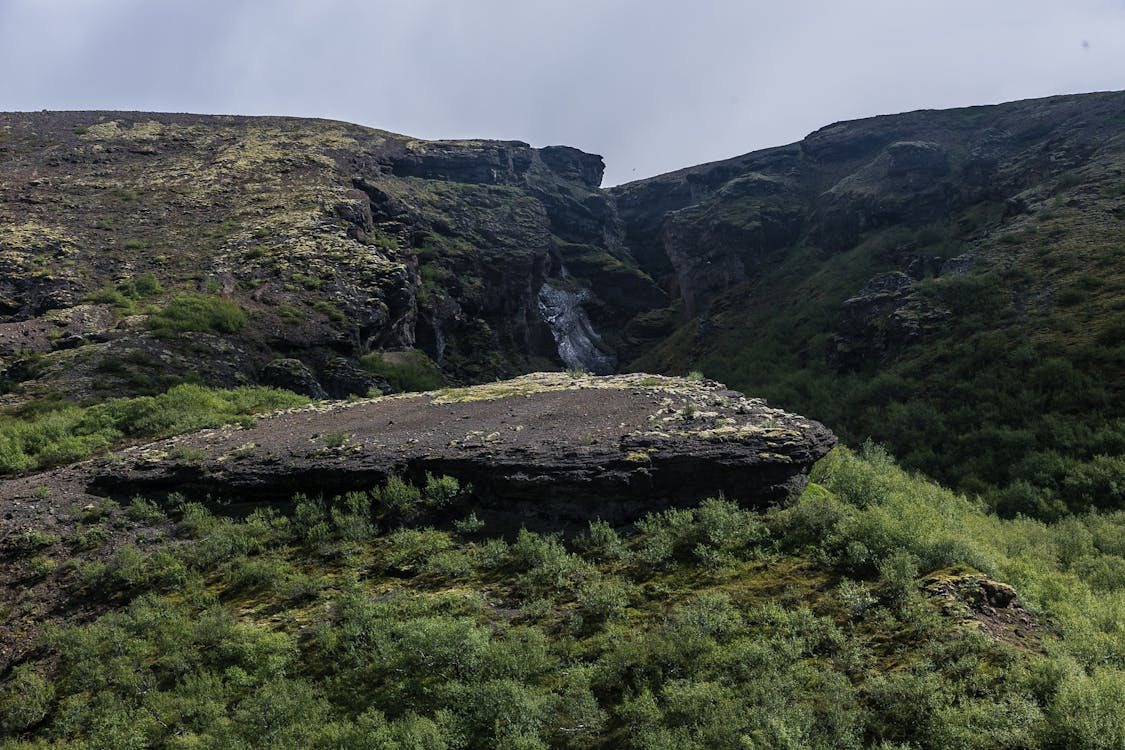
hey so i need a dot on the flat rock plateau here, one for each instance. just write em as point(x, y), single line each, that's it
point(542, 447)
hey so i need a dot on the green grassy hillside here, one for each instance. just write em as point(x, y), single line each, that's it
point(865, 613)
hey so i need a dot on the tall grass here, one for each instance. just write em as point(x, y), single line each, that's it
point(71, 432)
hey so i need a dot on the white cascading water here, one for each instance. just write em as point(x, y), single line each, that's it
point(578, 342)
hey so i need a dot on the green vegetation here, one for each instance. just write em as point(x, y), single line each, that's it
point(128, 291)
point(335, 314)
point(405, 371)
point(189, 312)
point(65, 432)
point(1020, 398)
point(831, 622)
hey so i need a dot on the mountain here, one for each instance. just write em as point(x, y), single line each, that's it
point(885, 276)
point(276, 475)
point(949, 283)
point(303, 240)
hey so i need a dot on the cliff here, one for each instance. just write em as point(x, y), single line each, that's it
point(547, 448)
point(333, 241)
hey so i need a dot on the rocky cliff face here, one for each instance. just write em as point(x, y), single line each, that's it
point(332, 239)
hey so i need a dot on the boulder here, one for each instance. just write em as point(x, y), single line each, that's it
point(985, 603)
point(292, 375)
point(342, 378)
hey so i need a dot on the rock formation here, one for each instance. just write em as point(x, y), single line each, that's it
point(542, 446)
point(333, 239)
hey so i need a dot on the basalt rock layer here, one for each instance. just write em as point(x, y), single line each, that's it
point(543, 446)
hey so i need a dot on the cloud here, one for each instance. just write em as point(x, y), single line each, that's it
point(652, 85)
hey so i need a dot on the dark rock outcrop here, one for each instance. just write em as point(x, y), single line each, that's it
point(984, 603)
point(721, 242)
point(342, 378)
point(906, 184)
point(887, 315)
point(542, 446)
point(292, 375)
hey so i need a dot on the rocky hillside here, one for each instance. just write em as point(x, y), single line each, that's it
point(287, 249)
point(885, 276)
point(890, 276)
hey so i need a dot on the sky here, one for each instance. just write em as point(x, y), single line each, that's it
point(651, 85)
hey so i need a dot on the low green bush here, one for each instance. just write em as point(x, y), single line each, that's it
point(128, 291)
point(405, 371)
point(191, 312)
point(70, 432)
point(824, 630)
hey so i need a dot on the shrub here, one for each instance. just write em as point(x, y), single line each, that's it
point(468, 525)
point(405, 371)
point(25, 699)
point(1099, 483)
point(855, 597)
point(897, 572)
point(600, 542)
point(442, 492)
point(30, 540)
point(267, 572)
point(351, 515)
point(408, 550)
point(69, 433)
point(337, 438)
point(129, 290)
point(604, 598)
point(13, 457)
point(492, 554)
point(397, 494)
point(40, 566)
point(93, 538)
point(1088, 713)
point(309, 516)
point(144, 510)
point(545, 563)
point(189, 312)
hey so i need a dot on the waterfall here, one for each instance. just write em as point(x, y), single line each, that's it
point(579, 345)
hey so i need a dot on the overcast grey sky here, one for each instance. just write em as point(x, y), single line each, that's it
point(652, 85)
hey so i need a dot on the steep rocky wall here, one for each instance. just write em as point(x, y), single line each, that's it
point(332, 239)
point(493, 225)
point(713, 228)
